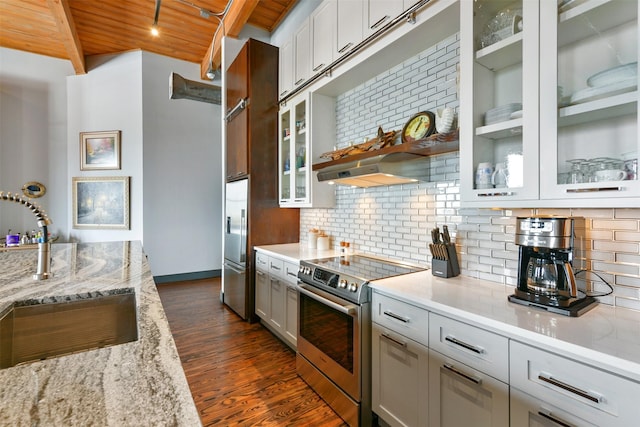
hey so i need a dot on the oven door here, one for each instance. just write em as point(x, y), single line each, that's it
point(329, 337)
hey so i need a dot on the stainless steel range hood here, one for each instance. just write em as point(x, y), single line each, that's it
point(387, 169)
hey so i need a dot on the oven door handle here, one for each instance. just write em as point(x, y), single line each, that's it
point(346, 309)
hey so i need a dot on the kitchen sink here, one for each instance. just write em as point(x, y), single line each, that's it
point(40, 331)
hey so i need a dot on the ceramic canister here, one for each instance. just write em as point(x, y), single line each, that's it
point(323, 243)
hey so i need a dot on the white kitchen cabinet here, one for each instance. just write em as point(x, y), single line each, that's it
point(277, 302)
point(302, 54)
point(400, 365)
point(462, 396)
point(300, 146)
point(276, 297)
point(381, 12)
point(350, 24)
point(262, 286)
point(286, 68)
point(323, 35)
point(499, 75)
point(527, 411)
point(572, 112)
point(480, 349)
point(291, 303)
point(589, 115)
point(585, 391)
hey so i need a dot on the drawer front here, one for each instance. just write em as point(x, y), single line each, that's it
point(403, 318)
point(262, 261)
point(588, 392)
point(482, 350)
point(528, 411)
point(291, 272)
point(276, 267)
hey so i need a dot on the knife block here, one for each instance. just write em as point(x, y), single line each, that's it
point(446, 267)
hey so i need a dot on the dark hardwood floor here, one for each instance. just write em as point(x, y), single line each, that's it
point(239, 373)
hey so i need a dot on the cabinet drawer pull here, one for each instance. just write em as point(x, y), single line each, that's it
point(547, 415)
point(475, 349)
point(318, 67)
point(462, 374)
point(299, 81)
point(259, 273)
point(283, 93)
point(275, 267)
point(397, 316)
point(292, 274)
point(593, 189)
point(400, 343)
point(585, 394)
point(345, 47)
point(379, 22)
point(497, 194)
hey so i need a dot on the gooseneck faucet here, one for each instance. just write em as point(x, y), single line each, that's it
point(44, 246)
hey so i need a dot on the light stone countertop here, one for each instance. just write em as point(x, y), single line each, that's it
point(140, 383)
point(605, 337)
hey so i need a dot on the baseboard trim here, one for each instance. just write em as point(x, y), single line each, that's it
point(208, 274)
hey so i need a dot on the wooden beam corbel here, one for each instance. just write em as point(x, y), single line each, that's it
point(69, 35)
point(235, 19)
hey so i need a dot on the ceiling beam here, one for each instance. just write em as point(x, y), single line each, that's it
point(235, 19)
point(67, 28)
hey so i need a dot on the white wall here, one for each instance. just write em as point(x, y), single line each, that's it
point(170, 149)
point(108, 97)
point(33, 136)
point(182, 173)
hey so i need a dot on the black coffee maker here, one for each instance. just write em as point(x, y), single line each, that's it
point(546, 276)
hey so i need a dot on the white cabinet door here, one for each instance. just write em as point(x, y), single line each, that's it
point(400, 378)
point(462, 396)
point(350, 25)
point(527, 411)
point(277, 299)
point(381, 12)
point(262, 294)
point(589, 103)
point(302, 54)
point(286, 68)
point(499, 111)
point(323, 34)
point(291, 322)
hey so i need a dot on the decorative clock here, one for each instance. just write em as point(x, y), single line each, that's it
point(419, 127)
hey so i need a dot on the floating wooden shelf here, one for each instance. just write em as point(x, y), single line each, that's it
point(429, 147)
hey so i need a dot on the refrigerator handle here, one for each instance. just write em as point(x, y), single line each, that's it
point(228, 225)
point(243, 235)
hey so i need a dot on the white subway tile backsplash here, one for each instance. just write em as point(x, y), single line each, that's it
point(396, 221)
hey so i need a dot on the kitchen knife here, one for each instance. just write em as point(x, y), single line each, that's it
point(446, 238)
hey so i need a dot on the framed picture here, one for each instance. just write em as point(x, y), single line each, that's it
point(100, 150)
point(101, 202)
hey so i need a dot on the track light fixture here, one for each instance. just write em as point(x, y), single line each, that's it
point(154, 27)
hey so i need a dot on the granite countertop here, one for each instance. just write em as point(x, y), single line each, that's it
point(139, 383)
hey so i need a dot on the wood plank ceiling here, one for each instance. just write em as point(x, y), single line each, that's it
point(74, 29)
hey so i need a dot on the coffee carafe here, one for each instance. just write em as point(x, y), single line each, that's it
point(546, 279)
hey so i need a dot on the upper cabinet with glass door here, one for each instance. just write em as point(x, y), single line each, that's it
point(300, 145)
point(589, 102)
point(499, 62)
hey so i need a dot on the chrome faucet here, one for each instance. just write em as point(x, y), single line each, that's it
point(44, 246)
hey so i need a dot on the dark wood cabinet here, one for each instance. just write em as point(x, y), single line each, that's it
point(252, 151)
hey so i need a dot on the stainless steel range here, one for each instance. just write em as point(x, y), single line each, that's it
point(334, 329)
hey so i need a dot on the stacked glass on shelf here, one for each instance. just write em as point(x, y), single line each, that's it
point(599, 169)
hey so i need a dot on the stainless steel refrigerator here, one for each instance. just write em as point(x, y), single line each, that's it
point(235, 248)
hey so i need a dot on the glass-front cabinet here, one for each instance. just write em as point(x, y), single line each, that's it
point(589, 100)
point(548, 103)
point(300, 145)
point(499, 101)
